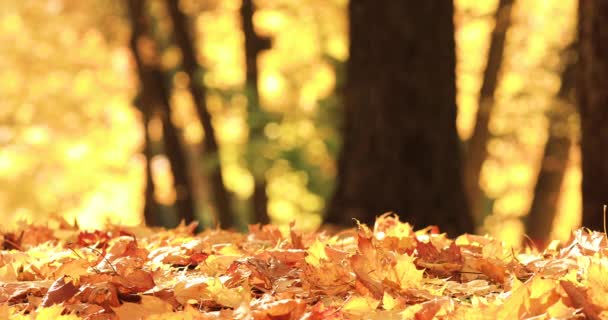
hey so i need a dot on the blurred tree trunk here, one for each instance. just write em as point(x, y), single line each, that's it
point(254, 44)
point(197, 88)
point(593, 108)
point(401, 149)
point(155, 96)
point(150, 206)
point(476, 152)
point(555, 160)
point(142, 102)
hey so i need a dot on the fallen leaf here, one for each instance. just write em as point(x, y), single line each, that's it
point(60, 291)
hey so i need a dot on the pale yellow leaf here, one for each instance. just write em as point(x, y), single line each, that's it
point(388, 301)
point(316, 253)
point(149, 305)
point(54, 312)
point(406, 274)
point(358, 305)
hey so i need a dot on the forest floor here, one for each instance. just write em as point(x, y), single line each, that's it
point(388, 271)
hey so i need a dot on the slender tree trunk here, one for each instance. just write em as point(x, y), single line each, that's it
point(593, 108)
point(197, 89)
point(254, 44)
point(476, 152)
point(177, 157)
point(401, 149)
point(146, 108)
point(150, 206)
point(155, 95)
point(554, 162)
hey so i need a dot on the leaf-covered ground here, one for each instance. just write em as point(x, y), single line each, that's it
point(385, 272)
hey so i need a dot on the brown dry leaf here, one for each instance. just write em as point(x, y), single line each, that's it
point(60, 291)
point(16, 292)
point(367, 265)
point(388, 272)
point(103, 294)
point(190, 290)
point(580, 300)
point(135, 281)
point(279, 309)
point(430, 309)
point(442, 263)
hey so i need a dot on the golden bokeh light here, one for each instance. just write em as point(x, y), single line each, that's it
point(72, 136)
point(529, 80)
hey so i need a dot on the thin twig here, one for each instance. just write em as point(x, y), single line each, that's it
point(103, 256)
point(81, 257)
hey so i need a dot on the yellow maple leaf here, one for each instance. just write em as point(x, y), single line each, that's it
point(561, 311)
point(148, 305)
point(388, 301)
point(473, 312)
point(542, 295)
point(230, 297)
point(230, 250)
point(514, 305)
point(539, 287)
point(74, 269)
point(597, 281)
point(405, 272)
point(410, 312)
point(54, 312)
point(316, 253)
point(360, 305)
point(393, 234)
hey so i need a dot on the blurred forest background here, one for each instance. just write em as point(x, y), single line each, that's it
point(232, 112)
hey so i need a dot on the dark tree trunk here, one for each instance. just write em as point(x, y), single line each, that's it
point(554, 162)
point(155, 96)
point(260, 203)
point(401, 149)
point(177, 156)
point(146, 108)
point(150, 206)
point(197, 88)
point(593, 108)
point(254, 44)
point(476, 152)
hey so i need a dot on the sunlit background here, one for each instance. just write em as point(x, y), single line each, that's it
point(71, 138)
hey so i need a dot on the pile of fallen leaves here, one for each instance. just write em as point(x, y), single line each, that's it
point(388, 272)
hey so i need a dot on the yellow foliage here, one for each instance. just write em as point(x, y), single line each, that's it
point(598, 282)
point(229, 297)
point(148, 306)
point(405, 273)
point(388, 301)
point(91, 142)
point(353, 275)
point(54, 312)
point(316, 253)
point(360, 305)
